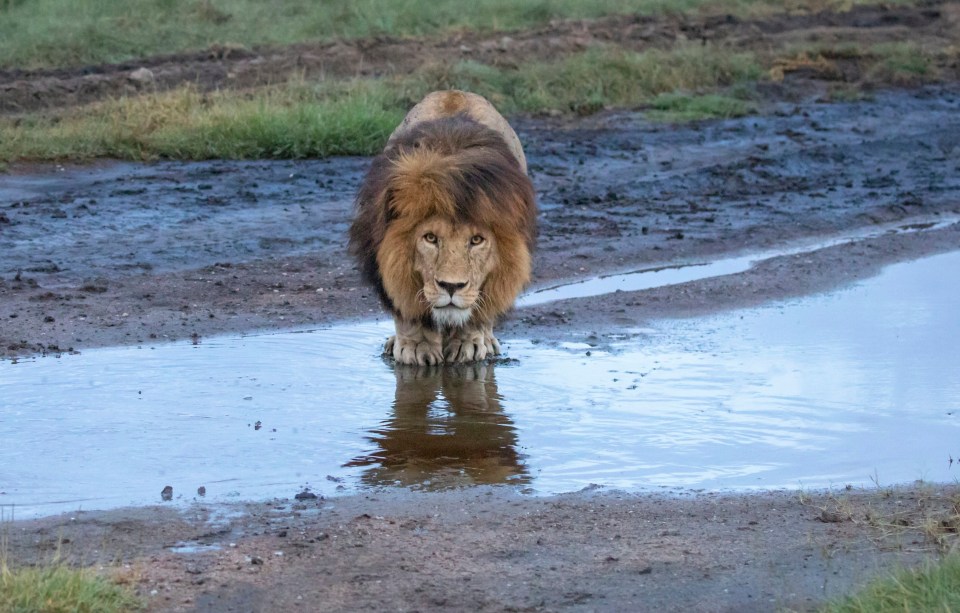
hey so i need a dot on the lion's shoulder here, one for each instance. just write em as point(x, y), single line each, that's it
point(451, 103)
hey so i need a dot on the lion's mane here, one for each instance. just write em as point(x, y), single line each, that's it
point(458, 169)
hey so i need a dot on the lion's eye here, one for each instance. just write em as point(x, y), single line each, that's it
point(430, 237)
point(476, 240)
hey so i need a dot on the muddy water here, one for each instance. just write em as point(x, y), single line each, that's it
point(853, 387)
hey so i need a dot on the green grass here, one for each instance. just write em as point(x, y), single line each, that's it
point(298, 119)
point(292, 121)
point(935, 588)
point(586, 82)
point(682, 107)
point(301, 119)
point(901, 62)
point(56, 589)
point(51, 33)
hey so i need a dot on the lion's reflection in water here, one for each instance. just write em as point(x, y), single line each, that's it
point(447, 428)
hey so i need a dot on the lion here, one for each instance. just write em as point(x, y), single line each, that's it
point(445, 228)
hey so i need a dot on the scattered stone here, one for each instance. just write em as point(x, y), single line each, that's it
point(167, 493)
point(832, 517)
point(142, 75)
point(306, 495)
point(201, 491)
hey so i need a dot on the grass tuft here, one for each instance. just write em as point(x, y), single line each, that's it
point(57, 588)
point(902, 63)
point(292, 121)
point(933, 588)
point(681, 107)
point(589, 81)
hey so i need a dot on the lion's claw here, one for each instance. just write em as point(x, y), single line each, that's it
point(491, 343)
point(406, 351)
point(464, 350)
point(470, 346)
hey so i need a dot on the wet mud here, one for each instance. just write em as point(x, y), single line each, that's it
point(140, 253)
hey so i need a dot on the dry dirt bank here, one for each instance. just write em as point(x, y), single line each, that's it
point(491, 550)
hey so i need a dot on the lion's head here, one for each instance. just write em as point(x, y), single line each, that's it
point(445, 224)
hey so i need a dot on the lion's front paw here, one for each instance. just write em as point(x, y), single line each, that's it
point(408, 351)
point(466, 347)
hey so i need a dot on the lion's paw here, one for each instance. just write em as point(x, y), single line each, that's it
point(407, 351)
point(466, 347)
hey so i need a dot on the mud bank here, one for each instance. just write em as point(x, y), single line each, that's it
point(489, 550)
point(131, 254)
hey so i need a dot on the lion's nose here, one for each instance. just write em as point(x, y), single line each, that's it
point(451, 288)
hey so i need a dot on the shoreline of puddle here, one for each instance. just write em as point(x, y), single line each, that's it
point(520, 422)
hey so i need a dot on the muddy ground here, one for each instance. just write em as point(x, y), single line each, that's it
point(117, 253)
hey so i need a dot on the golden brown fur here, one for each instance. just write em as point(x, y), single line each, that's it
point(445, 228)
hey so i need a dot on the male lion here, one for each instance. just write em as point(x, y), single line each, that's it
point(445, 227)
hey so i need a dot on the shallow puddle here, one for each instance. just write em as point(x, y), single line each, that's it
point(674, 275)
point(852, 387)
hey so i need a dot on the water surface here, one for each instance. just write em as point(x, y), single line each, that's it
point(852, 387)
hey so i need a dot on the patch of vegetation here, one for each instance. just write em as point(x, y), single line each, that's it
point(903, 62)
point(587, 82)
point(292, 121)
point(355, 117)
point(683, 107)
point(56, 33)
point(934, 588)
point(895, 63)
point(58, 588)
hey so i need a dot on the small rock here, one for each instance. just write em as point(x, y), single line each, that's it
point(167, 493)
point(201, 491)
point(142, 75)
point(832, 517)
point(306, 495)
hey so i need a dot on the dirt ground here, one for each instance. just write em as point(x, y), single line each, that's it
point(117, 253)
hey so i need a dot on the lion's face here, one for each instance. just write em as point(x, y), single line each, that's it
point(445, 226)
point(453, 261)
